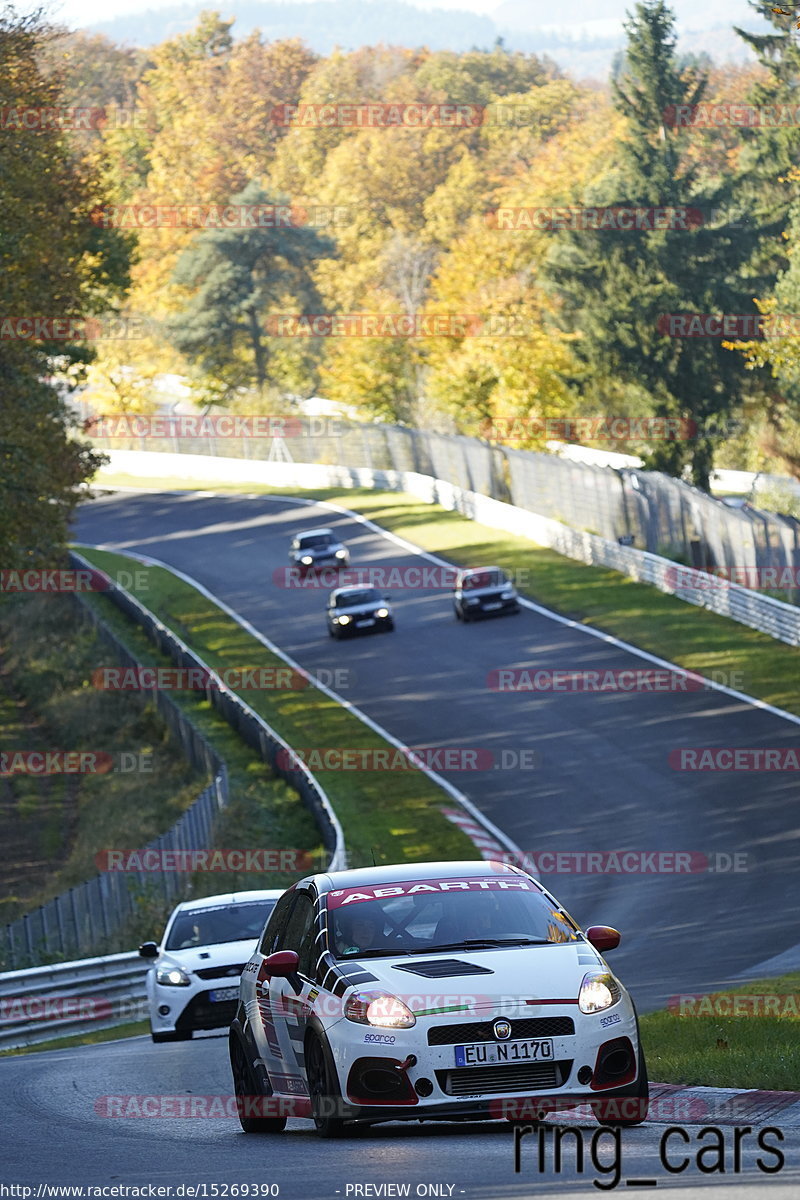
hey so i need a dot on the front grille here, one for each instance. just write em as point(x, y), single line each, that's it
point(470, 1081)
point(482, 1031)
point(232, 971)
point(200, 1013)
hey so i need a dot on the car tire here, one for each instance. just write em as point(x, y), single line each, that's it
point(625, 1111)
point(457, 612)
point(244, 1085)
point(322, 1087)
point(174, 1035)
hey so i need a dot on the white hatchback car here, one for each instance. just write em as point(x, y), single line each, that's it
point(193, 982)
point(431, 991)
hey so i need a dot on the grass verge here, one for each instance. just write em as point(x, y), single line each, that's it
point(132, 1029)
point(711, 1049)
point(386, 816)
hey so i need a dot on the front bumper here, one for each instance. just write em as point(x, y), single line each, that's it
point(489, 606)
point(434, 1087)
point(192, 1011)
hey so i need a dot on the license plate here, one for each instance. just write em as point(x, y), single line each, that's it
point(367, 621)
point(491, 607)
point(220, 994)
point(481, 1054)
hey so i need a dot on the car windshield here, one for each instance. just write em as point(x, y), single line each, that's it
point(481, 579)
point(474, 914)
point(212, 925)
point(313, 541)
point(362, 596)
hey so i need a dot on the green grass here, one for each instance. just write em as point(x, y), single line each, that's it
point(131, 1029)
point(693, 638)
point(52, 827)
point(722, 1051)
point(386, 816)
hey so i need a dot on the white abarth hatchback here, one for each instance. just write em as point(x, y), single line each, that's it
point(431, 991)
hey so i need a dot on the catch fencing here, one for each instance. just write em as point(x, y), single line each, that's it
point(87, 916)
point(646, 509)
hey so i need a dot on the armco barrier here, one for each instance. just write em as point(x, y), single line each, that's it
point(43, 1003)
point(748, 607)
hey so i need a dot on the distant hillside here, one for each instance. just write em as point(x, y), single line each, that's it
point(583, 47)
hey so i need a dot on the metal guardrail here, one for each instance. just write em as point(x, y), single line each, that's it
point(41, 1004)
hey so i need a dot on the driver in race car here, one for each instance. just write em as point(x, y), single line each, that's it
point(359, 931)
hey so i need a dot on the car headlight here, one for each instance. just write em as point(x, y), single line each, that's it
point(599, 990)
point(341, 554)
point(306, 560)
point(381, 612)
point(379, 1008)
point(345, 620)
point(172, 977)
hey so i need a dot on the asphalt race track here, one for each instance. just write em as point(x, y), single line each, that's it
point(55, 1132)
point(603, 781)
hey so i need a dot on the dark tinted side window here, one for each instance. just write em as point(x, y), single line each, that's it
point(271, 937)
point(300, 934)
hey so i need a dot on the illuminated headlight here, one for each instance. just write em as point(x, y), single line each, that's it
point(381, 612)
point(379, 1008)
point(342, 620)
point(599, 990)
point(341, 554)
point(306, 560)
point(172, 977)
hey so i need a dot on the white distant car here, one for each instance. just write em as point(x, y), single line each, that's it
point(354, 609)
point(431, 991)
point(194, 980)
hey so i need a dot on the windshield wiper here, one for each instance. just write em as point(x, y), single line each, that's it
point(487, 943)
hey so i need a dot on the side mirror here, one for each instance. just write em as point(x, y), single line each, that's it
point(282, 964)
point(149, 950)
point(603, 937)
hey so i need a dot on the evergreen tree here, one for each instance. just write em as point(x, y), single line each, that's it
point(615, 286)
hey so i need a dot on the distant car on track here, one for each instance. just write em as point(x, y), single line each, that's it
point(483, 591)
point(431, 991)
point(193, 982)
point(318, 548)
point(355, 609)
